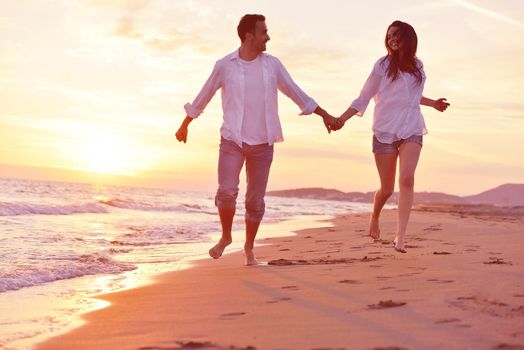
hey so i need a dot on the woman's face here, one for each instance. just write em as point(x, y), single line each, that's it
point(393, 38)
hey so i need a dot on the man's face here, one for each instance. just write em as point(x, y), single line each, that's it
point(261, 37)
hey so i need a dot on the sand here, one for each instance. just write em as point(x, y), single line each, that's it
point(460, 286)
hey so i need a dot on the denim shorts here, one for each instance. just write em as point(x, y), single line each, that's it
point(385, 148)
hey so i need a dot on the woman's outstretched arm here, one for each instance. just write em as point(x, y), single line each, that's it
point(440, 105)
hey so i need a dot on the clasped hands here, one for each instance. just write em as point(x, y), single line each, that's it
point(332, 123)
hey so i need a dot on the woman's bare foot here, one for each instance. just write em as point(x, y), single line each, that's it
point(250, 257)
point(218, 249)
point(374, 230)
point(399, 245)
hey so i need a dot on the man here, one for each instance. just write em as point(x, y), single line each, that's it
point(249, 80)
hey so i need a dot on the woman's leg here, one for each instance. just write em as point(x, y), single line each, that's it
point(387, 166)
point(409, 153)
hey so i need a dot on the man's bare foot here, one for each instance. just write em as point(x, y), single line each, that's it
point(374, 230)
point(250, 257)
point(218, 249)
point(399, 245)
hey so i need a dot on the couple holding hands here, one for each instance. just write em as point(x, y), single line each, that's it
point(249, 80)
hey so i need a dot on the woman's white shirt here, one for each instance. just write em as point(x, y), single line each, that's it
point(397, 103)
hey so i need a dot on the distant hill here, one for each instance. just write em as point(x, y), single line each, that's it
point(508, 194)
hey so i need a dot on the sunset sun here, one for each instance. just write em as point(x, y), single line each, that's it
point(106, 155)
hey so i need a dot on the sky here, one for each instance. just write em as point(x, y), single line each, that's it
point(93, 90)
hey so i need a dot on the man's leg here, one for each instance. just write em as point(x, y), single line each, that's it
point(409, 153)
point(230, 162)
point(258, 164)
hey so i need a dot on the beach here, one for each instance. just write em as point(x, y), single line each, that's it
point(460, 286)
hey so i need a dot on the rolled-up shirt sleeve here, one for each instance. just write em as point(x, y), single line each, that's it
point(369, 90)
point(289, 88)
point(205, 95)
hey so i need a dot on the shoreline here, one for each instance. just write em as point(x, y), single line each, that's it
point(332, 287)
point(64, 323)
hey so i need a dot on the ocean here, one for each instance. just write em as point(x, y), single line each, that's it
point(63, 243)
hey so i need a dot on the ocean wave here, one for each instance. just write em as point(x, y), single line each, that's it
point(24, 276)
point(13, 209)
point(144, 206)
point(139, 236)
point(100, 206)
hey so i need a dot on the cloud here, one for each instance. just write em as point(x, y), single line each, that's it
point(489, 13)
point(121, 5)
point(165, 41)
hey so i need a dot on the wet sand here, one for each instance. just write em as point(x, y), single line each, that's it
point(461, 285)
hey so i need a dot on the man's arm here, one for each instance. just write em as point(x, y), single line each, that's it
point(181, 134)
point(196, 108)
point(306, 104)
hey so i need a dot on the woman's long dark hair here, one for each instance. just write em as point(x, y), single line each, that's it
point(404, 59)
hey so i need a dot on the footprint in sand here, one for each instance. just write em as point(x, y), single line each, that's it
point(384, 288)
point(284, 250)
point(497, 261)
point(349, 282)
point(389, 348)
point(383, 277)
point(417, 268)
point(448, 320)
point(440, 281)
point(276, 300)
point(441, 253)
point(386, 304)
point(231, 315)
point(183, 345)
point(504, 346)
point(290, 287)
point(433, 228)
point(489, 307)
point(281, 262)
point(366, 259)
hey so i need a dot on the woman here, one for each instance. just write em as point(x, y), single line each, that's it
point(396, 84)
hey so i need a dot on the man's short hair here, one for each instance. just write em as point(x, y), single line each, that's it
point(247, 24)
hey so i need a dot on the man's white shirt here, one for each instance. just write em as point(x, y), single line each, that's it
point(229, 75)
